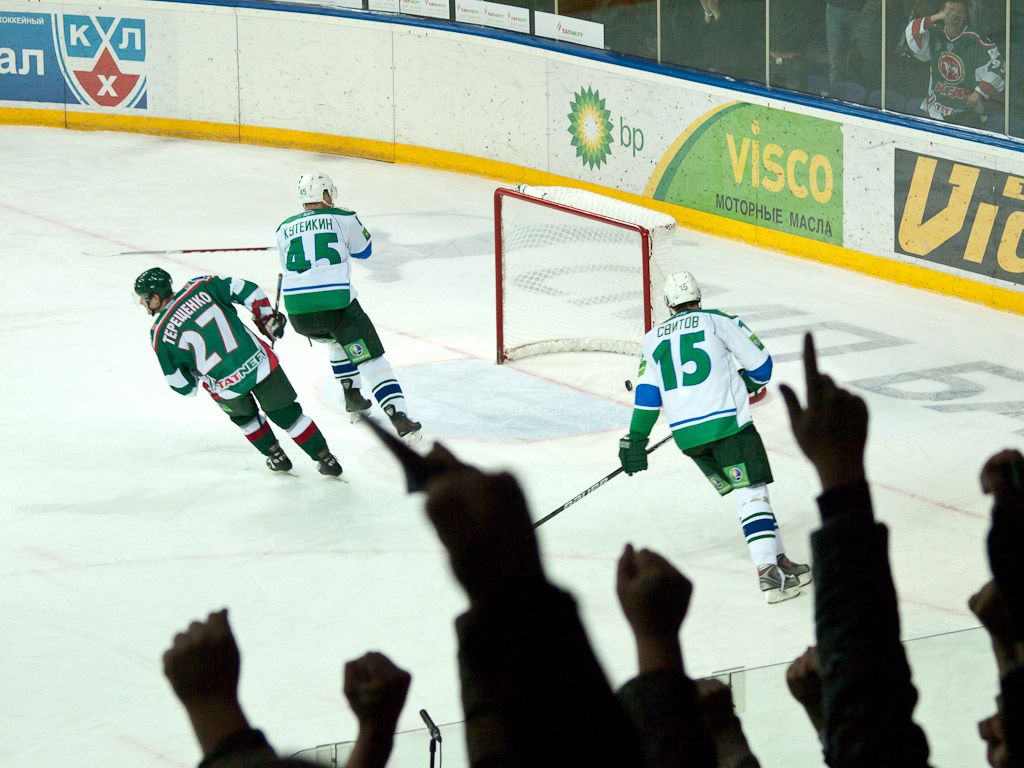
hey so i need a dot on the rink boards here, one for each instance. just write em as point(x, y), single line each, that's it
point(914, 205)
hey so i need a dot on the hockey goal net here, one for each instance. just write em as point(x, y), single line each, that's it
point(577, 271)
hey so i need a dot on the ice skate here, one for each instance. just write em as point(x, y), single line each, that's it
point(357, 406)
point(800, 570)
point(776, 585)
point(406, 428)
point(327, 464)
point(277, 460)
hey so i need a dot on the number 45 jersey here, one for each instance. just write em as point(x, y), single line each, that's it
point(315, 248)
point(200, 336)
point(687, 368)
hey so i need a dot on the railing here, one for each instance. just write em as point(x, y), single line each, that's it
point(955, 676)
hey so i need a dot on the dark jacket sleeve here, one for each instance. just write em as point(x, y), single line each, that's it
point(247, 749)
point(867, 692)
point(1013, 714)
point(532, 690)
point(666, 716)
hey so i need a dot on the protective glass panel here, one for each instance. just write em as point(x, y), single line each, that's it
point(797, 47)
point(630, 26)
point(725, 37)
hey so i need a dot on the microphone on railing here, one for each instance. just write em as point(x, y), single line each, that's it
point(435, 733)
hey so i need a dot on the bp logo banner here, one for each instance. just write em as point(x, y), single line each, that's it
point(591, 127)
point(94, 60)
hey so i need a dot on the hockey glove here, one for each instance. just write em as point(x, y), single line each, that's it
point(275, 324)
point(633, 454)
point(752, 386)
point(271, 324)
point(754, 389)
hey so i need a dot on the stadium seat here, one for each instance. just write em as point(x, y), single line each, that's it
point(894, 100)
point(817, 85)
point(851, 92)
point(913, 107)
point(1017, 126)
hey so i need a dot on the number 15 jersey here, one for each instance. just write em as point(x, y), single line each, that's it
point(687, 367)
point(315, 248)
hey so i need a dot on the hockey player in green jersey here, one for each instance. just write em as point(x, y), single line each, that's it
point(199, 339)
point(316, 248)
point(966, 68)
point(687, 368)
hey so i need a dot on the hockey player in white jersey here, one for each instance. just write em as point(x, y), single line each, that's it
point(316, 248)
point(687, 368)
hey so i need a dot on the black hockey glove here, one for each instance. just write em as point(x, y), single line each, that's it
point(633, 454)
point(275, 325)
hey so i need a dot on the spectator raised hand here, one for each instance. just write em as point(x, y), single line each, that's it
point(867, 697)
point(803, 677)
point(832, 430)
point(661, 701)
point(376, 691)
point(1003, 477)
point(483, 522)
point(532, 690)
point(654, 597)
point(203, 666)
point(724, 726)
point(993, 732)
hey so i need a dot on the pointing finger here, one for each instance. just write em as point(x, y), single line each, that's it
point(810, 364)
point(792, 404)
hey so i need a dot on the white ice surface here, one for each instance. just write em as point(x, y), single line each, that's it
point(128, 511)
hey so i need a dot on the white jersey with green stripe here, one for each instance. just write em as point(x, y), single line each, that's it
point(316, 248)
point(687, 368)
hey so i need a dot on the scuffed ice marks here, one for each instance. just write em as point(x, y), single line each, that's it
point(390, 255)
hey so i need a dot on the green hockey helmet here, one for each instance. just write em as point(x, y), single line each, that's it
point(152, 281)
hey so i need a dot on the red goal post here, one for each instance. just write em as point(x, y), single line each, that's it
point(577, 271)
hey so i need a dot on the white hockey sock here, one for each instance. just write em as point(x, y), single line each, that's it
point(780, 548)
point(343, 369)
point(758, 523)
point(383, 384)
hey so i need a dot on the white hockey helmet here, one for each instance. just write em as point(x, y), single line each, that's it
point(681, 288)
point(312, 187)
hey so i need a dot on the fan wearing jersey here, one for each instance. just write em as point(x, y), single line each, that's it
point(966, 68)
point(316, 248)
point(200, 340)
point(687, 368)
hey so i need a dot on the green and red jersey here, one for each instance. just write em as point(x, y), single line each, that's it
point(198, 337)
point(969, 63)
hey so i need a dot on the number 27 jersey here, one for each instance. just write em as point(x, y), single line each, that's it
point(200, 336)
point(687, 368)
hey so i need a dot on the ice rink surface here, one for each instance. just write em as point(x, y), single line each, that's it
point(128, 510)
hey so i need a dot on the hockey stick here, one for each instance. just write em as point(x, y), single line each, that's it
point(277, 301)
point(190, 250)
point(597, 485)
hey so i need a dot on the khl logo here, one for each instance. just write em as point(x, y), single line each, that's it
point(103, 59)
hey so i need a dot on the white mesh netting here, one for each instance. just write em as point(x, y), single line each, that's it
point(571, 283)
